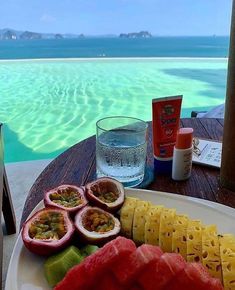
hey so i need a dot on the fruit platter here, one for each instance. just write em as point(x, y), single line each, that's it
point(102, 236)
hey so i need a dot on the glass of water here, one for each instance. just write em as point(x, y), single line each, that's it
point(121, 148)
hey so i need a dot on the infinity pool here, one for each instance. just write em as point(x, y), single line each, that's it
point(49, 105)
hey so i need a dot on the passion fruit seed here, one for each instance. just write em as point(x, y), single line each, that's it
point(95, 221)
point(107, 197)
point(48, 226)
point(66, 197)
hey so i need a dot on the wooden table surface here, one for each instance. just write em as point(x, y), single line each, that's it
point(77, 166)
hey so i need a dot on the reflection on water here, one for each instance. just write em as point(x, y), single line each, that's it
point(51, 105)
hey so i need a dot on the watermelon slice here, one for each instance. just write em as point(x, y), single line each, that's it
point(74, 279)
point(130, 266)
point(193, 277)
point(159, 274)
point(91, 269)
point(110, 254)
point(135, 287)
point(107, 282)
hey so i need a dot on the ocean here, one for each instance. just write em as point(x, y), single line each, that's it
point(213, 46)
point(53, 91)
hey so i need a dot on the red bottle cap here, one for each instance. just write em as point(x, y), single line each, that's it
point(184, 138)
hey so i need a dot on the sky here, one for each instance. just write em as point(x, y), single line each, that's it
point(99, 17)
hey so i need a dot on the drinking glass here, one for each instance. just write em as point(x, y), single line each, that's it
point(121, 149)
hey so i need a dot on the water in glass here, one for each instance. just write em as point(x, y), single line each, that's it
point(121, 154)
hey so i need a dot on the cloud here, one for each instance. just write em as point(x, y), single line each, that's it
point(47, 18)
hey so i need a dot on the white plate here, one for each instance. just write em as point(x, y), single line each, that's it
point(25, 270)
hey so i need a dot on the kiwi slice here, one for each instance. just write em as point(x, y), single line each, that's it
point(57, 265)
point(88, 250)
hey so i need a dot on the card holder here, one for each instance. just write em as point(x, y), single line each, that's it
point(207, 152)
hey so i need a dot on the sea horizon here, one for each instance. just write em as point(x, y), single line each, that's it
point(112, 47)
point(75, 35)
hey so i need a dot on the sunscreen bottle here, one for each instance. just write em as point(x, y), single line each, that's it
point(182, 155)
point(166, 120)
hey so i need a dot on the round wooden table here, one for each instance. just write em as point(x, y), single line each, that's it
point(77, 166)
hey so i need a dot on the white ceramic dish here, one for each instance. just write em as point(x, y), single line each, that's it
point(25, 270)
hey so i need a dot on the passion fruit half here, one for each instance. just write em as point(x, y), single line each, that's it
point(106, 192)
point(68, 197)
point(47, 231)
point(96, 225)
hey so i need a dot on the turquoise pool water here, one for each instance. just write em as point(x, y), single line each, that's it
point(49, 105)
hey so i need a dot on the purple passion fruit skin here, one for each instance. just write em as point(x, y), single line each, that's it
point(67, 197)
point(47, 231)
point(96, 226)
point(106, 193)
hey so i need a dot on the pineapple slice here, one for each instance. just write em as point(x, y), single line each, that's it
point(139, 220)
point(179, 237)
point(211, 251)
point(227, 238)
point(227, 255)
point(194, 241)
point(127, 215)
point(152, 225)
point(166, 229)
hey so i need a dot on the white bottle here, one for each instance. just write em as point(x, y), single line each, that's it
point(182, 156)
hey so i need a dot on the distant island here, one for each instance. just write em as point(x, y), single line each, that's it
point(141, 34)
point(12, 34)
